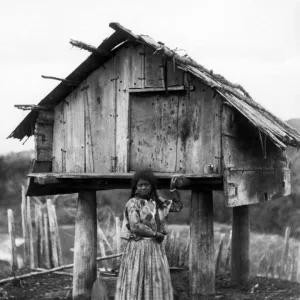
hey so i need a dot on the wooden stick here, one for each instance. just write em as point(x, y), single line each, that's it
point(24, 227)
point(59, 250)
point(89, 48)
point(46, 240)
point(12, 235)
point(38, 235)
point(118, 235)
point(102, 236)
point(29, 224)
point(227, 261)
point(67, 81)
point(298, 269)
point(219, 253)
point(32, 107)
point(59, 273)
point(175, 250)
point(53, 270)
point(285, 252)
point(53, 238)
point(101, 244)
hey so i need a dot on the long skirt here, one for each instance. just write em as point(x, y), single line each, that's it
point(144, 272)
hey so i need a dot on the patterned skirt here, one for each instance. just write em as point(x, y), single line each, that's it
point(144, 272)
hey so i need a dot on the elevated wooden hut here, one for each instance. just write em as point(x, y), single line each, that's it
point(136, 103)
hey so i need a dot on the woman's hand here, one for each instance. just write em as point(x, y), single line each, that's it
point(159, 237)
point(179, 181)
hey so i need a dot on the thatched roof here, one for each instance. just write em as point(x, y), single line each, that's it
point(278, 131)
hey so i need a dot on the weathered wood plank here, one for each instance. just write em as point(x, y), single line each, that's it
point(74, 132)
point(85, 250)
point(154, 72)
point(59, 163)
point(199, 140)
point(101, 96)
point(46, 239)
point(174, 75)
point(153, 130)
point(160, 89)
point(251, 174)
point(25, 228)
point(12, 237)
point(53, 239)
point(202, 261)
point(240, 251)
point(30, 234)
point(43, 136)
point(123, 72)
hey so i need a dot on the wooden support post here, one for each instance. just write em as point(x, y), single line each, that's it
point(85, 249)
point(240, 258)
point(298, 267)
point(25, 228)
point(12, 235)
point(202, 261)
point(38, 235)
point(29, 224)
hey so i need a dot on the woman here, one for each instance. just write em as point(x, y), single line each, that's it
point(144, 271)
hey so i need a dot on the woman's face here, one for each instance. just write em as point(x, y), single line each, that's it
point(143, 187)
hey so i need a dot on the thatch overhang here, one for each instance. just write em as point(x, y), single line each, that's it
point(279, 132)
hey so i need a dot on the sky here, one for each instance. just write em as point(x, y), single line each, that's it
point(251, 42)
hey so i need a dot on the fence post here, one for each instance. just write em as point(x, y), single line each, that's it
point(12, 235)
point(59, 250)
point(227, 261)
point(46, 239)
point(29, 224)
point(285, 252)
point(219, 253)
point(53, 239)
point(25, 228)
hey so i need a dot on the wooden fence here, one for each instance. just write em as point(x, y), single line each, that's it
point(42, 246)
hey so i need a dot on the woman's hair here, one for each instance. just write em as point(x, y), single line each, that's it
point(145, 174)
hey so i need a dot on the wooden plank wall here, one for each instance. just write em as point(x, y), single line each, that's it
point(249, 177)
point(43, 134)
point(91, 129)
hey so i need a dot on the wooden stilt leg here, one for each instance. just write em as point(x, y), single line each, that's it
point(240, 257)
point(201, 261)
point(85, 248)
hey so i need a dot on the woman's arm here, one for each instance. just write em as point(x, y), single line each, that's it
point(176, 205)
point(135, 223)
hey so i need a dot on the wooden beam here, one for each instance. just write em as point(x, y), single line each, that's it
point(33, 107)
point(90, 48)
point(240, 254)
point(158, 90)
point(66, 81)
point(85, 250)
point(202, 261)
point(12, 236)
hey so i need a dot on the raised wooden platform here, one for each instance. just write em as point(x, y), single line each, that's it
point(67, 183)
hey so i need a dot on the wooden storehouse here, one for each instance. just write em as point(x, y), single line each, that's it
point(136, 103)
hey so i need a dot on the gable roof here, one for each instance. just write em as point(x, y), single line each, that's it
point(278, 131)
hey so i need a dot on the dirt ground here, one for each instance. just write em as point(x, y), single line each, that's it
point(54, 286)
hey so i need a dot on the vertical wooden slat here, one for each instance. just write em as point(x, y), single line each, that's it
point(201, 265)
point(42, 234)
point(187, 249)
point(298, 264)
point(53, 239)
point(46, 240)
point(12, 237)
point(228, 256)
point(101, 245)
point(294, 263)
point(29, 224)
point(25, 228)
point(240, 256)
point(285, 253)
point(219, 253)
point(118, 236)
point(38, 235)
point(85, 250)
point(59, 250)
point(175, 252)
